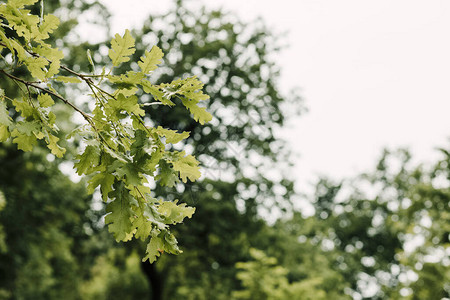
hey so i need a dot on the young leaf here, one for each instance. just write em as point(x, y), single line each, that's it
point(5, 119)
point(151, 59)
point(21, 3)
point(4, 133)
point(121, 48)
point(154, 249)
point(88, 160)
point(103, 179)
point(119, 212)
point(200, 114)
point(91, 62)
point(25, 109)
point(175, 213)
point(172, 137)
point(24, 141)
point(187, 166)
point(45, 100)
point(48, 25)
point(67, 79)
point(36, 66)
point(57, 150)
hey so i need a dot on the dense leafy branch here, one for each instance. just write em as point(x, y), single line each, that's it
point(122, 151)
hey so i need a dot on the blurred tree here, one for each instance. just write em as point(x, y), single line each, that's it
point(263, 279)
point(238, 149)
point(389, 229)
point(47, 254)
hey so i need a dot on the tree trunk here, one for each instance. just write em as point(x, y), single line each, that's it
point(153, 279)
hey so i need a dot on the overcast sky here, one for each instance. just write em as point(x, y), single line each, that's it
point(373, 74)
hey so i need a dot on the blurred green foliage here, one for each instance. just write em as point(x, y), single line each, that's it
point(357, 244)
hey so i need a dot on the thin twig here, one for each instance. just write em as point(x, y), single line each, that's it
point(27, 83)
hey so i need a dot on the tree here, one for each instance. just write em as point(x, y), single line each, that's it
point(238, 148)
point(47, 251)
point(121, 146)
point(263, 279)
point(389, 229)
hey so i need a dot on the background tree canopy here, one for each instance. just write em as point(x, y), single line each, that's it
point(381, 235)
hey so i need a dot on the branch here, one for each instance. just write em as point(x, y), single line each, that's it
point(27, 83)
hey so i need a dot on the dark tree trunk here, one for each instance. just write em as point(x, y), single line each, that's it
point(153, 279)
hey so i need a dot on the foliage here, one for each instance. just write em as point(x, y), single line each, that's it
point(262, 278)
point(388, 230)
point(356, 245)
point(122, 149)
point(112, 279)
point(239, 149)
point(47, 251)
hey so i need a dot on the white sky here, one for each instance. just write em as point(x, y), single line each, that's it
point(373, 74)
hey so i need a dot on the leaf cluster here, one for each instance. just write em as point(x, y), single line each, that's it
point(123, 152)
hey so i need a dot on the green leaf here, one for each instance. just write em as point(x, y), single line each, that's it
point(151, 59)
point(88, 160)
point(187, 166)
point(21, 3)
point(6, 40)
point(167, 175)
point(105, 181)
point(52, 54)
point(5, 119)
point(36, 66)
point(4, 133)
point(45, 100)
point(128, 80)
point(172, 137)
point(154, 249)
point(174, 213)
point(200, 114)
point(48, 25)
point(119, 212)
point(21, 52)
point(56, 150)
point(121, 48)
point(24, 141)
point(25, 109)
point(128, 172)
point(164, 242)
point(91, 62)
point(127, 91)
point(129, 104)
point(28, 128)
point(147, 218)
point(142, 223)
point(67, 79)
point(156, 92)
point(150, 164)
point(141, 146)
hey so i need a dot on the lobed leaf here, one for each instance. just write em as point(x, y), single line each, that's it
point(56, 150)
point(164, 242)
point(172, 137)
point(88, 160)
point(187, 166)
point(175, 213)
point(119, 212)
point(151, 59)
point(5, 119)
point(121, 48)
point(67, 79)
point(45, 100)
point(48, 25)
point(103, 179)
